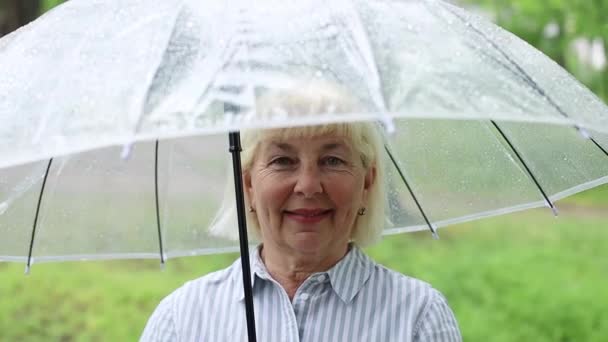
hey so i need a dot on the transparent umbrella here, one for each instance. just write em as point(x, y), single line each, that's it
point(114, 116)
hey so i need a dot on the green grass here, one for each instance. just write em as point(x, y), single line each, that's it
point(521, 277)
point(595, 197)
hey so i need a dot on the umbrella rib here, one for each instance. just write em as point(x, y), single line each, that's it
point(411, 191)
point(496, 60)
point(141, 117)
point(35, 225)
point(523, 73)
point(599, 146)
point(528, 170)
point(160, 236)
point(360, 38)
point(526, 77)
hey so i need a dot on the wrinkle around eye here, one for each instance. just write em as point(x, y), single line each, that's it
point(340, 162)
point(265, 172)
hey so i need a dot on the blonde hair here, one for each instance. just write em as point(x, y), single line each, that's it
point(364, 137)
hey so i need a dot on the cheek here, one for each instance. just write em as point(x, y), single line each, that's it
point(271, 192)
point(346, 192)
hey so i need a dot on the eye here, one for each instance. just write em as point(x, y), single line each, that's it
point(282, 161)
point(333, 161)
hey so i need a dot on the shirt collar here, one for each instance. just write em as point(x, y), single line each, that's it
point(350, 274)
point(347, 277)
point(258, 270)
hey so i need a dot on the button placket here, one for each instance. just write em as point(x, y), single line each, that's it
point(302, 303)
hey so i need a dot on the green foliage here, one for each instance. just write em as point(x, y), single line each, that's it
point(571, 20)
point(48, 4)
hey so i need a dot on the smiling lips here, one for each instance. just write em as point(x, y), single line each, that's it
point(308, 215)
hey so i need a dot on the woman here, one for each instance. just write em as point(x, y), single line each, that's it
point(315, 196)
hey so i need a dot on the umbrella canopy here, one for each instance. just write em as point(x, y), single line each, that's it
point(131, 111)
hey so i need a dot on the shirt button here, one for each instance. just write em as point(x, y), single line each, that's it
point(304, 296)
point(321, 278)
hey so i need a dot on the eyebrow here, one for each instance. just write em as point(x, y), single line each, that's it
point(289, 148)
point(282, 146)
point(332, 146)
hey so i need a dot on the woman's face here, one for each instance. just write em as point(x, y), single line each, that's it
point(306, 192)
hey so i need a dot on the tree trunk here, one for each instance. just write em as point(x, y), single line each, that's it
point(16, 13)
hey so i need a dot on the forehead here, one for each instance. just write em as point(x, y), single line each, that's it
point(317, 142)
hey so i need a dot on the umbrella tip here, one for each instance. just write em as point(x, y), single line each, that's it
point(126, 151)
point(3, 207)
point(434, 233)
point(389, 125)
point(554, 210)
point(27, 270)
point(584, 133)
point(552, 206)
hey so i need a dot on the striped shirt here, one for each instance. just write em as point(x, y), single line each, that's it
point(356, 300)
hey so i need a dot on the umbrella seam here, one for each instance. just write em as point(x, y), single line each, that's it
point(141, 118)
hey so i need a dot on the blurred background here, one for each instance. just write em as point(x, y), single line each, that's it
point(521, 277)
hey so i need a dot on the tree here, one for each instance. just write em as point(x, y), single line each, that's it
point(16, 13)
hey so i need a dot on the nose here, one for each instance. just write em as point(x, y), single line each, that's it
point(308, 182)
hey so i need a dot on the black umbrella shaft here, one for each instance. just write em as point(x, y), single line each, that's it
point(235, 149)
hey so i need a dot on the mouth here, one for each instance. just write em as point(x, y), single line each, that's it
point(308, 215)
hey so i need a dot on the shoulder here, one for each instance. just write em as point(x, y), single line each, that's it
point(434, 320)
point(206, 285)
point(387, 285)
point(171, 319)
point(174, 317)
point(431, 317)
point(195, 295)
point(410, 287)
point(419, 296)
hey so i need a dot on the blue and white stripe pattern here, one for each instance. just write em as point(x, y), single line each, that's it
point(356, 300)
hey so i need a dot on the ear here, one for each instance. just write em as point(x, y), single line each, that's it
point(247, 186)
point(370, 180)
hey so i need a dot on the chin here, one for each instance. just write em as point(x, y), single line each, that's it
point(307, 244)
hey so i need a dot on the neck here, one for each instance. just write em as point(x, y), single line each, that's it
point(291, 270)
